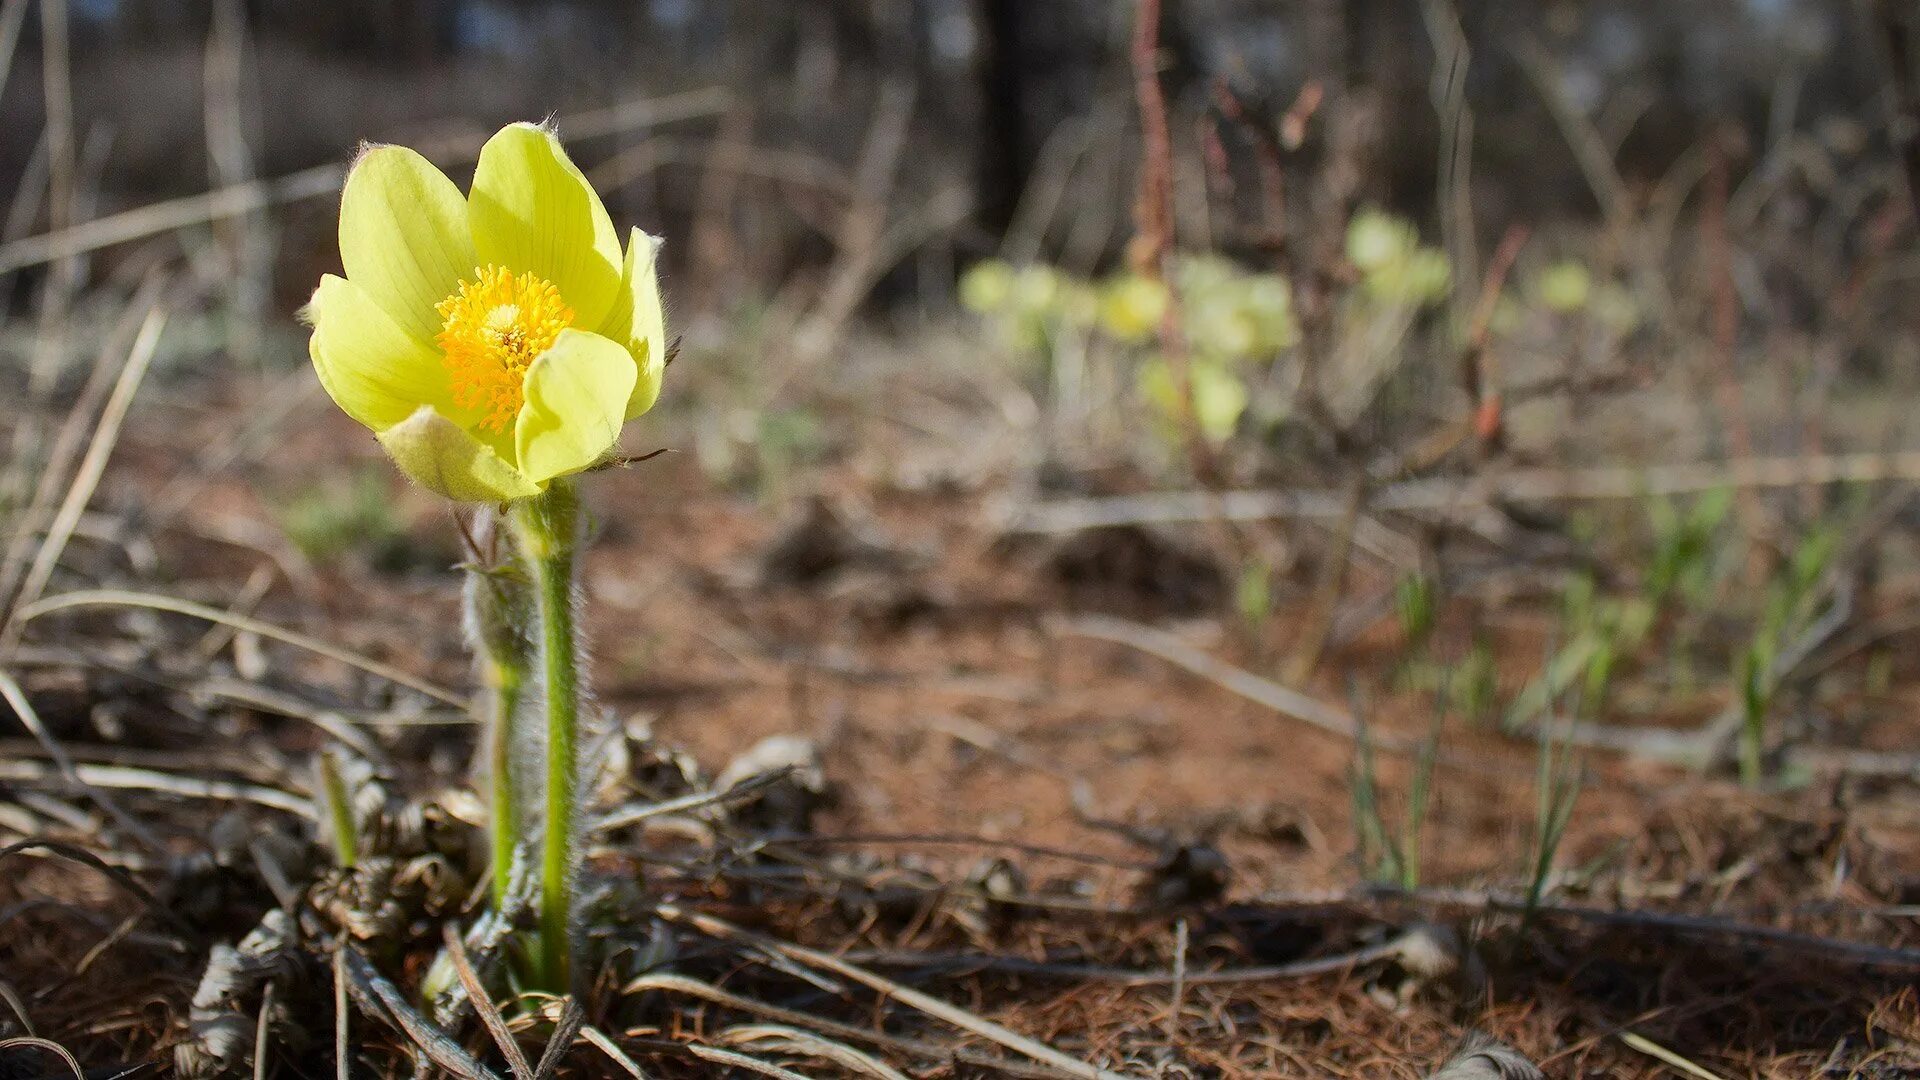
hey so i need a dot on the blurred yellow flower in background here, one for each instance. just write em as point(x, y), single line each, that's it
point(495, 341)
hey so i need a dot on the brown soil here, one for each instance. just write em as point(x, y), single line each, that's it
point(916, 651)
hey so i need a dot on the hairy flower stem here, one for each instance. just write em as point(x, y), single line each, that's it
point(503, 817)
point(499, 611)
point(546, 528)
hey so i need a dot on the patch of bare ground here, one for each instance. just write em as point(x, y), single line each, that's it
point(1065, 835)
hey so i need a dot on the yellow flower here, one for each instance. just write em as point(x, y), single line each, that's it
point(496, 341)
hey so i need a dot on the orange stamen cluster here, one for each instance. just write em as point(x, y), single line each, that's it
point(493, 328)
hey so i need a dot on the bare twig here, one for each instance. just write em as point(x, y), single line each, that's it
point(1710, 927)
point(794, 1040)
point(1281, 699)
point(670, 983)
point(13, 16)
point(1447, 494)
point(483, 1004)
point(85, 598)
point(342, 1020)
point(1176, 977)
point(1667, 1057)
point(122, 778)
point(31, 521)
point(566, 1030)
point(1152, 249)
point(1899, 32)
point(384, 1001)
point(1448, 90)
point(17, 698)
point(262, 1032)
point(733, 1058)
point(633, 815)
point(235, 200)
point(612, 1049)
point(82, 856)
point(906, 995)
point(66, 1056)
point(105, 435)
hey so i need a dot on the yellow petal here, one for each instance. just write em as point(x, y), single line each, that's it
point(374, 370)
point(533, 211)
point(404, 236)
point(639, 321)
point(442, 457)
point(576, 396)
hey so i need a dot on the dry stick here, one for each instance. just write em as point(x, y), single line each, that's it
point(1726, 332)
point(811, 1044)
point(56, 77)
point(483, 1004)
point(1443, 494)
point(1451, 55)
point(75, 853)
point(230, 160)
point(268, 700)
point(1479, 366)
point(1837, 950)
point(27, 194)
point(633, 815)
point(60, 286)
point(1178, 978)
point(31, 521)
point(13, 16)
point(734, 1058)
point(221, 203)
point(932, 1006)
point(105, 435)
point(1662, 1054)
point(261, 1030)
point(342, 1047)
point(125, 778)
point(1281, 699)
point(565, 1031)
point(10, 690)
point(1590, 150)
point(612, 1049)
point(168, 215)
point(121, 598)
point(1899, 33)
point(12, 998)
point(384, 1001)
point(51, 1047)
point(859, 241)
point(667, 982)
point(1154, 222)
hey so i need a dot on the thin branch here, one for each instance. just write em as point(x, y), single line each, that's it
point(17, 698)
point(384, 1001)
point(85, 598)
point(1458, 495)
point(87, 479)
point(906, 995)
point(1281, 699)
point(483, 1004)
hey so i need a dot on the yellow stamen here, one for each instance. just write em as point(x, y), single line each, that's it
point(494, 326)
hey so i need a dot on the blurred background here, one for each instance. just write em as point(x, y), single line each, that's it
point(173, 98)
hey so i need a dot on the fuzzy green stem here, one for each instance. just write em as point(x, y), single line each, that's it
point(546, 528)
point(498, 612)
point(503, 817)
point(333, 792)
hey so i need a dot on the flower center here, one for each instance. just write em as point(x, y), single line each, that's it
point(493, 326)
